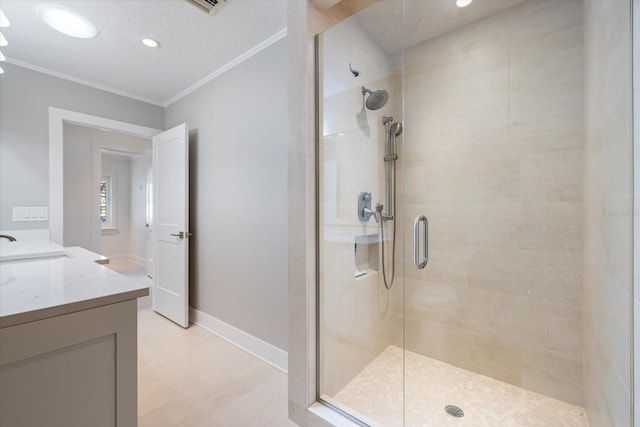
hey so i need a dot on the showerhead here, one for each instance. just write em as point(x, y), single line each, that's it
point(396, 129)
point(375, 100)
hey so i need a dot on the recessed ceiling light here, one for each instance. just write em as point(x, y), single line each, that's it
point(150, 42)
point(67, 22)
point(3, 41)
point(463, 3)
point(4, 22)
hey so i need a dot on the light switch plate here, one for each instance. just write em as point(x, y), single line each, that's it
point(23, 214)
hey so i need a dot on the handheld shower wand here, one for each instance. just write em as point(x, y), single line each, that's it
point(392, 131)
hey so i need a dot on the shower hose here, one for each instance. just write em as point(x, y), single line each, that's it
point(389, 284)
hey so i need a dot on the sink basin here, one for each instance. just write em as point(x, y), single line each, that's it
point(37, 250)
point(33, 256)
point(30, 250)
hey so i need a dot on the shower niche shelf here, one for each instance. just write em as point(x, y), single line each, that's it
point(365, 251)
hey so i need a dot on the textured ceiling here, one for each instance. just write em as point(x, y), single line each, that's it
point(424, 19)
point(193, 44)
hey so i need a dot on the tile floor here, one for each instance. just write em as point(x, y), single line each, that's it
point(376, 393)
point(190, 377)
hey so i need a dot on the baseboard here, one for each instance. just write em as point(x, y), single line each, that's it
point(130, 258)
point(252, 345)
point(138, 260)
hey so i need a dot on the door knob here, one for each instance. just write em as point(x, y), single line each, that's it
point(182, 234)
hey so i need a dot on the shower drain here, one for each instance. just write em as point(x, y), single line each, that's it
point(454, 411)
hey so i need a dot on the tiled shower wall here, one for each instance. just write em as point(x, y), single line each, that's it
point(493, 155)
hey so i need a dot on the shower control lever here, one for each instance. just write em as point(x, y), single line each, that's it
point(364, 207)
point(368, 213)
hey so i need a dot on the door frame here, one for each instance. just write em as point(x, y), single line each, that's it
point(57, 119)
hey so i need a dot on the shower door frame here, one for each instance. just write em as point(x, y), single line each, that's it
point(399, 220)
point(317, 128)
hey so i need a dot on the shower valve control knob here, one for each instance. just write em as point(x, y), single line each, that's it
point(364, 206)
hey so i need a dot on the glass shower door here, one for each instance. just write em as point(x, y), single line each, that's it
point(489, 277)
point(360, 291)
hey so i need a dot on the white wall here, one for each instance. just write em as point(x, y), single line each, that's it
point(82, 155)
point(79, 215)
point(138, 217)
point(238, 191)
point(25, 97)
point(115, 242)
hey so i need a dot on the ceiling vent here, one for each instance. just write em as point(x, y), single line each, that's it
point(209, 6)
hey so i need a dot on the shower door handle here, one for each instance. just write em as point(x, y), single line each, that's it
point(420, 263)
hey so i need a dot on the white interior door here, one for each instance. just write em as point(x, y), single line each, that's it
point(171, 224)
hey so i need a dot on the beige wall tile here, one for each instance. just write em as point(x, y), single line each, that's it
point(551, 226)
point(493, 150)
point(552, 176)
point(547, 373)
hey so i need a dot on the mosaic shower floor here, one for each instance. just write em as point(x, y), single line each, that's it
point(376, 395)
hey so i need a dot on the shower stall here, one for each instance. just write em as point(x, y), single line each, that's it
point(475, 199)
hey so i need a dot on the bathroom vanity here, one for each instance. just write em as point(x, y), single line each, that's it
point(68, 338)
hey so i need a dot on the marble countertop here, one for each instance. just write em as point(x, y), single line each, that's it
point(40, 279)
